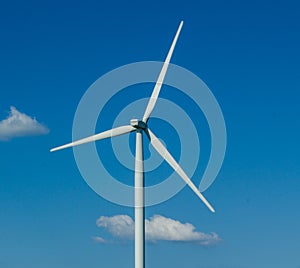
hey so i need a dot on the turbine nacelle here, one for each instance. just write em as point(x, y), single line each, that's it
point(139, 124)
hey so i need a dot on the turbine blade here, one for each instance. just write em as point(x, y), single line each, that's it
point(162, 150)
point(160, 79)
point(103, 135)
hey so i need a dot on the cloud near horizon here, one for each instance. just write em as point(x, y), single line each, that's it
point(158, 228)
point(18, 124)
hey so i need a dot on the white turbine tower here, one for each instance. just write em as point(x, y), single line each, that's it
point(140, 126)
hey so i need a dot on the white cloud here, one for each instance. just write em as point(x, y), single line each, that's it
point(161, 228)
point(121, 226)
point(158, 228)
point(18, 124)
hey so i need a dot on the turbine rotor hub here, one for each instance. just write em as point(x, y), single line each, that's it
point(138, 124)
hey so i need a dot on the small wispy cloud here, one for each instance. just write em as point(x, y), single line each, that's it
point(99, 239)
point(18, 124)
point(158, 228)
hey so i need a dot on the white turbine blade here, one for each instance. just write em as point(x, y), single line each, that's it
point(103, 135)
point(161, 77)
point(162, 150)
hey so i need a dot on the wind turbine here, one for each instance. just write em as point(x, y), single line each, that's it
point(140, 127)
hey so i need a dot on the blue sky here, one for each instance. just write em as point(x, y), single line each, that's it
point(247, 52)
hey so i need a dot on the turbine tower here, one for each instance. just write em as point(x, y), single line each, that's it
point(140, 127)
